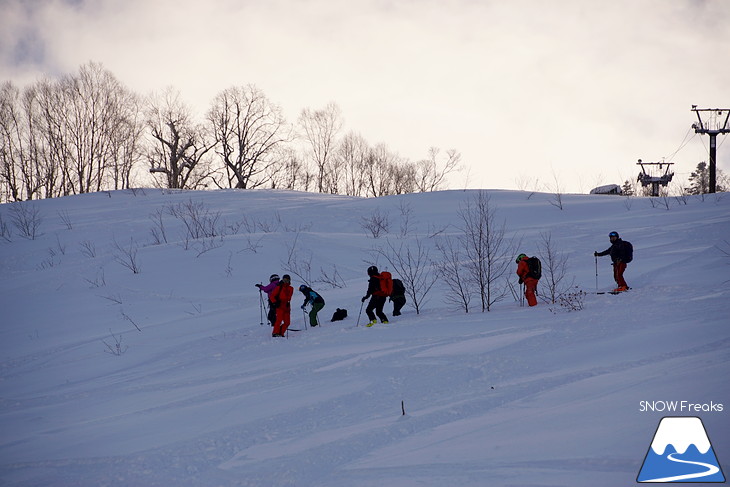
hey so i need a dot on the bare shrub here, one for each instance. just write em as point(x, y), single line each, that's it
point(66, 219)
point(88, 248)
point(298, 264)
point(554, 268)
point(453, 273)
point(199, 221)
point(376, 224)
point(159, 235)
point(4, 230)
point(570, 301)
point(116, 348)
point(127, 256)
point(27, 219)
point(332, 279)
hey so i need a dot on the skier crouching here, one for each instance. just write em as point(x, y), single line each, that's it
point(312, 296)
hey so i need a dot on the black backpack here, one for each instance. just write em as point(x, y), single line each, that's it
point(535, 266)
point(628, 251)
point(338, 315)
point(398, 288)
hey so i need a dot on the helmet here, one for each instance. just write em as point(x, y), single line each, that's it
point(302, 288)
point(372, 270)
point(273, 277)
point(286, 278)
point(519, 258)
point(613, 234)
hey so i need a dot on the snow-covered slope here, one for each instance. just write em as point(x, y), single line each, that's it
point(199, 394)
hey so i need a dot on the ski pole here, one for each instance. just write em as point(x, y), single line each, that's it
point(360, 314)
point(596, 257)
point(261, 307)
point(304, 313)
point(522, 295)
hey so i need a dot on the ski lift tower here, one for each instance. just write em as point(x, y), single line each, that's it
point(712, 125)
point(655, 178)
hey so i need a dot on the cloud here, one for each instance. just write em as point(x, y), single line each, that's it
point(577, 86)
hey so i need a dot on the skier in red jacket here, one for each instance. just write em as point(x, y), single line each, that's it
point(281, 299)
point(523, 270)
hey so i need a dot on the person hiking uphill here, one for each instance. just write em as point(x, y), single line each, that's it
point(527, 276)
point(268, 289)
point(398, 296)
point(281, 299)
point(379, 296)
point(621, 252)
point(311, 296)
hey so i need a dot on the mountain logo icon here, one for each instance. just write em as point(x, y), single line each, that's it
point(680, 452)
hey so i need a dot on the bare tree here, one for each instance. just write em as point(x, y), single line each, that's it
point(127, 141)
point(291, 172)
point(378, 168)
point(557, 197)
point(403, 175)
point(25, 169)
point(248, 129)
point(486, 249)
point(352, 153)
point(431, 174)
point(320, 129)
point(76, 134)
point(95, 102)
point(554, 268)
point(179, 146)
point(453, 272)
point(13, 147)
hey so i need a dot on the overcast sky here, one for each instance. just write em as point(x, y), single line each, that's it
point(573, 89)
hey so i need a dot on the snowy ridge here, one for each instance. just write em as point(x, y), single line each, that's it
point(201, 395)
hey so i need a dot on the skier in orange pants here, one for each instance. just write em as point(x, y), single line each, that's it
point(281, 299)
point(526, 276)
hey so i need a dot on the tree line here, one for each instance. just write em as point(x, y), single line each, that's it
point(87, 132)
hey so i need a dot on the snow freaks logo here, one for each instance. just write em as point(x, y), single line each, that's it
point(680, 452)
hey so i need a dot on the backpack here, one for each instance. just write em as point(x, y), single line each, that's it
point(628, 251)
point(535, 266)
point(338, 315)
point(385, 280)
point(398, 288)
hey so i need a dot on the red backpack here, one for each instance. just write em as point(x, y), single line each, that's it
point(386, 284)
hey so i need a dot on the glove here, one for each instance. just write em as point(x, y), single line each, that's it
point(595, 254)
point(521, 281)
point(304, 306)
point(363, 299)
point(258, 286)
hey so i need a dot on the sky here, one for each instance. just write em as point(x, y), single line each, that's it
point(565, 95)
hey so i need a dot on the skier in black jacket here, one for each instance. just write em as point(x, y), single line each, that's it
point(377, 301)
point(621, 252)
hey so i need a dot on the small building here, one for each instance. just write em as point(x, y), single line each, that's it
point(607, 189)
